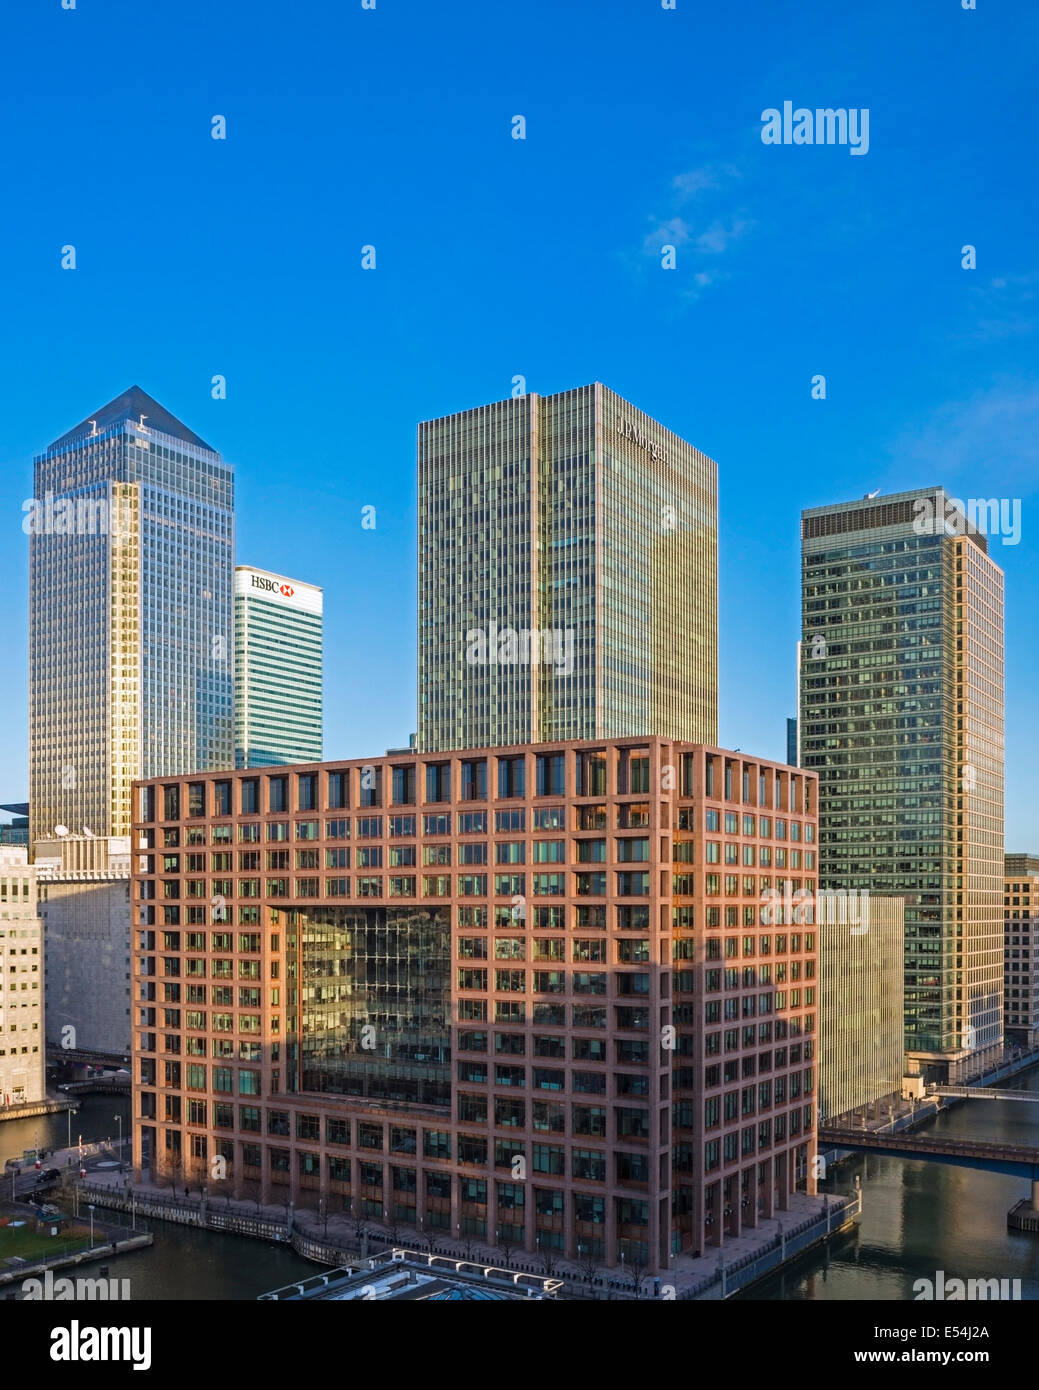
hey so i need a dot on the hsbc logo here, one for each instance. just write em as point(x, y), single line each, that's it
point(271, 586)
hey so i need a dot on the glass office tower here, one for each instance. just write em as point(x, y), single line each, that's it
point(130, 625)
point(568, 575)
point(901, 715)
point(278, 647)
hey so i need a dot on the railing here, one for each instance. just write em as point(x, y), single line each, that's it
point(967, 1148)
point(781, 1248)
point(174, 1210)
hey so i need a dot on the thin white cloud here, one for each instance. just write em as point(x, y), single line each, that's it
point(701, 236)
point(984, 445)
point(674, 232)
point(1005, 307)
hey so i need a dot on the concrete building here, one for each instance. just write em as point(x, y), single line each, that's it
point(521, 993)
point(861, 1045)
point(278, 649)
point(567, 575)
point(23, 1055)
point(131, 543)
point(17, 833)
point(1021, 948)
point(901, 715)
point(84, 894)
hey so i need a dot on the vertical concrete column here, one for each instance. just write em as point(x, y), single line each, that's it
point(1035, 1195)
point(652, 1233)
point(767, 1193)
point(784, 1168)
point(455, 1232)
point(492, 1212)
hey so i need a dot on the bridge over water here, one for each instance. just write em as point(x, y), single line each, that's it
point(1014, 1160)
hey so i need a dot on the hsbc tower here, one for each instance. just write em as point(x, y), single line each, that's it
point(278, 646)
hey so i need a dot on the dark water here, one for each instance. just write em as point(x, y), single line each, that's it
point(184, 1263)
point(94, 1120)
point(919, 1218)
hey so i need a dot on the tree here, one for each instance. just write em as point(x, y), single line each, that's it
point(424, 1241)
point(587, 1263)
point(636, 1276)
point(357, 1220)
point(506, 1245)
point(549, 1258)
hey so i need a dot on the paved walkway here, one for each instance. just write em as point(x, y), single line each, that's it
point(342, 1232)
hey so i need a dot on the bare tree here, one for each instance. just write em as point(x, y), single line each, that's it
point(587, 1263)
point(636, 1276)
point(357, 1220)
point(506, 1245)
point(424, 1241)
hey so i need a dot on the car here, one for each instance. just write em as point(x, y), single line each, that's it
point(52, 1174)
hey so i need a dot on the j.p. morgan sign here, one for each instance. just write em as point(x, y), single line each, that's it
point(640, 440)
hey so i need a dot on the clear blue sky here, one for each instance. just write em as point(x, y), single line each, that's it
point(497, 257)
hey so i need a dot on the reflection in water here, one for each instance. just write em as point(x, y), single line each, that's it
point(919, 1218)
point(183, 1263)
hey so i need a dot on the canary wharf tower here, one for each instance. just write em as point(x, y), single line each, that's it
point(131, 562)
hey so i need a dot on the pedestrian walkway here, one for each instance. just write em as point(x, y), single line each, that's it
point(344, 1234)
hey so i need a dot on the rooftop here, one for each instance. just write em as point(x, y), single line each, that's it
point(411, 1276)
point(131, 406)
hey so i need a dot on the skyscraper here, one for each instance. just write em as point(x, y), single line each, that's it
point(130, 566)
point(568, 576)
point(277, 669)
point(901, 715)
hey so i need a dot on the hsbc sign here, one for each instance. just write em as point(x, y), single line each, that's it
point(271, 586)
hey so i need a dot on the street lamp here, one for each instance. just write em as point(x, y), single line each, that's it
point(119, 1120)
point(91, 1209)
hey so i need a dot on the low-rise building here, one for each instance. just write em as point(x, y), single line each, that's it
point(23, 1055)
point(84, 893)
point(1021, 948)
point(861, 1040)
point(529, 995)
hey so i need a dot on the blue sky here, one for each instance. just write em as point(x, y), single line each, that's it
point(498, 257)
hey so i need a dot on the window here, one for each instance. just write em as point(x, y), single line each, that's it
point(402, 785)
point(438, 783)
point(550, 774)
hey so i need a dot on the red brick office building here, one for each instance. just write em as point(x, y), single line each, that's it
point(528, 995)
